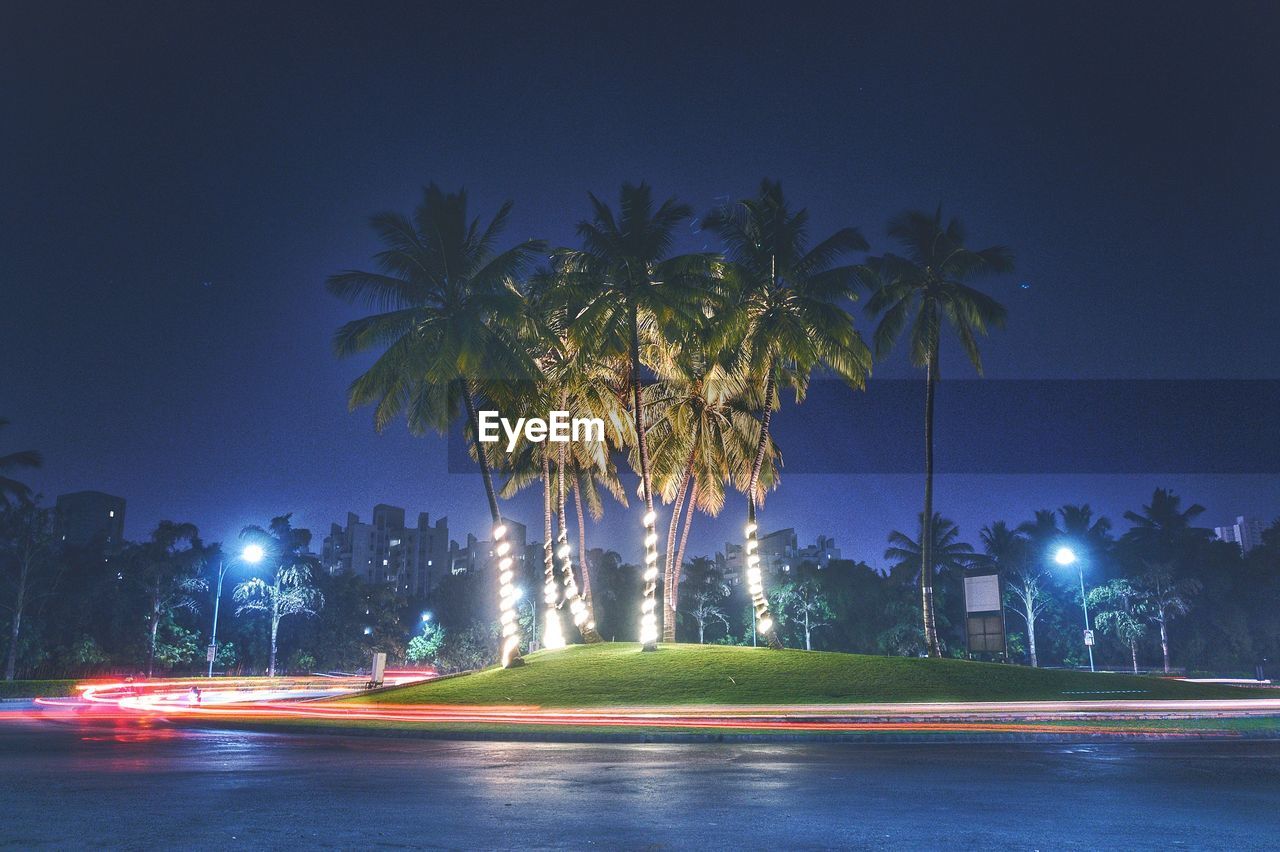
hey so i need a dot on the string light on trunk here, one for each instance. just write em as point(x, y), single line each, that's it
point(552, 633)
point(648, 614)
point(510, 652)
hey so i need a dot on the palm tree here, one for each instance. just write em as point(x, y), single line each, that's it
point(943, 550)
point(27, 544)
point(1119, 610)
point(448, 310)
point(167, 567)
point(569, 381)
point(528, 463)
point(1080, 524)
point(703, 435)
point(1006, 549)
point(1163, 530)
point(12, 488)
point(787, 321)
point(628, 292)
point(1165, 598)
point(922, 288)
point(290, 591)
point(581, 387)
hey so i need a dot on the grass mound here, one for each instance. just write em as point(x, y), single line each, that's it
point(621, 674)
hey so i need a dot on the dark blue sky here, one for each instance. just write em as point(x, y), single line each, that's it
point(178, 179)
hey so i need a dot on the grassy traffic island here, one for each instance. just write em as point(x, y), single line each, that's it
point(620, 674)
point(759, 695)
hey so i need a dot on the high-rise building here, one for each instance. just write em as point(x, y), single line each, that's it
point(90, 519)
point(387, 551)
point(478, 554)
point(1246, 532)
point(820, 553)
point(779, 552)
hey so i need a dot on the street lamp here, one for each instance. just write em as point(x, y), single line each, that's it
point(1065, 556)
point(251, 554)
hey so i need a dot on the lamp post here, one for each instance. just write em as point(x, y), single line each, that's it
point(252, 554)
point(1066, 556)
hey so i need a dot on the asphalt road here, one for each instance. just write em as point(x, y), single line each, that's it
point(63, 786)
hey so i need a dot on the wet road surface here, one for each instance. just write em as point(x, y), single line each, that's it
point(69, 785)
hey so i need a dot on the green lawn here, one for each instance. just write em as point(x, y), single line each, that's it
point(621, 674)
point(34, 688)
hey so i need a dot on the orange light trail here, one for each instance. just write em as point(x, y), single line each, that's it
point(170, 701)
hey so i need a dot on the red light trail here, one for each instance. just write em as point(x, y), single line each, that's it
point(252, 700)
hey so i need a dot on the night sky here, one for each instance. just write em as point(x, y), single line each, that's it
point(177, 180)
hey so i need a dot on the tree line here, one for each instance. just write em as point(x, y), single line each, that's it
point(1162, 594)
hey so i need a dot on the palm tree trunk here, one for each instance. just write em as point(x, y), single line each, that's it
point(1133, 651)
point(155, 627)
point(275, 626)
point(20, 601)
point(1164, 643)
point(582, 542)
point(764, 621)
point(926, 526)
point(1031, 638)
point(577, 606)
point(692, 502)
point(509, 653)
point(668, 583)
point(648, 607)
point(552, 633)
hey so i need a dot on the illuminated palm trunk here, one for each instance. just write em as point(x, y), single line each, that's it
point(582, 617)
point(552, 634)
point(275, 625)
point(509, 649)
point(751, 552)
point(649, 605)
point(582, 543)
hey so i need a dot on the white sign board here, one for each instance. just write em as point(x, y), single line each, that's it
point(1088, 637)
point(982, 594)
point(211, 653)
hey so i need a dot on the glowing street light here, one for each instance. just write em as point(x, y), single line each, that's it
point(1065, 556)
point(251, 554)
point(426, 616)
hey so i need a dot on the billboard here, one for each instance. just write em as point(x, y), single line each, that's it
point(982, 593)
point(984, 616)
